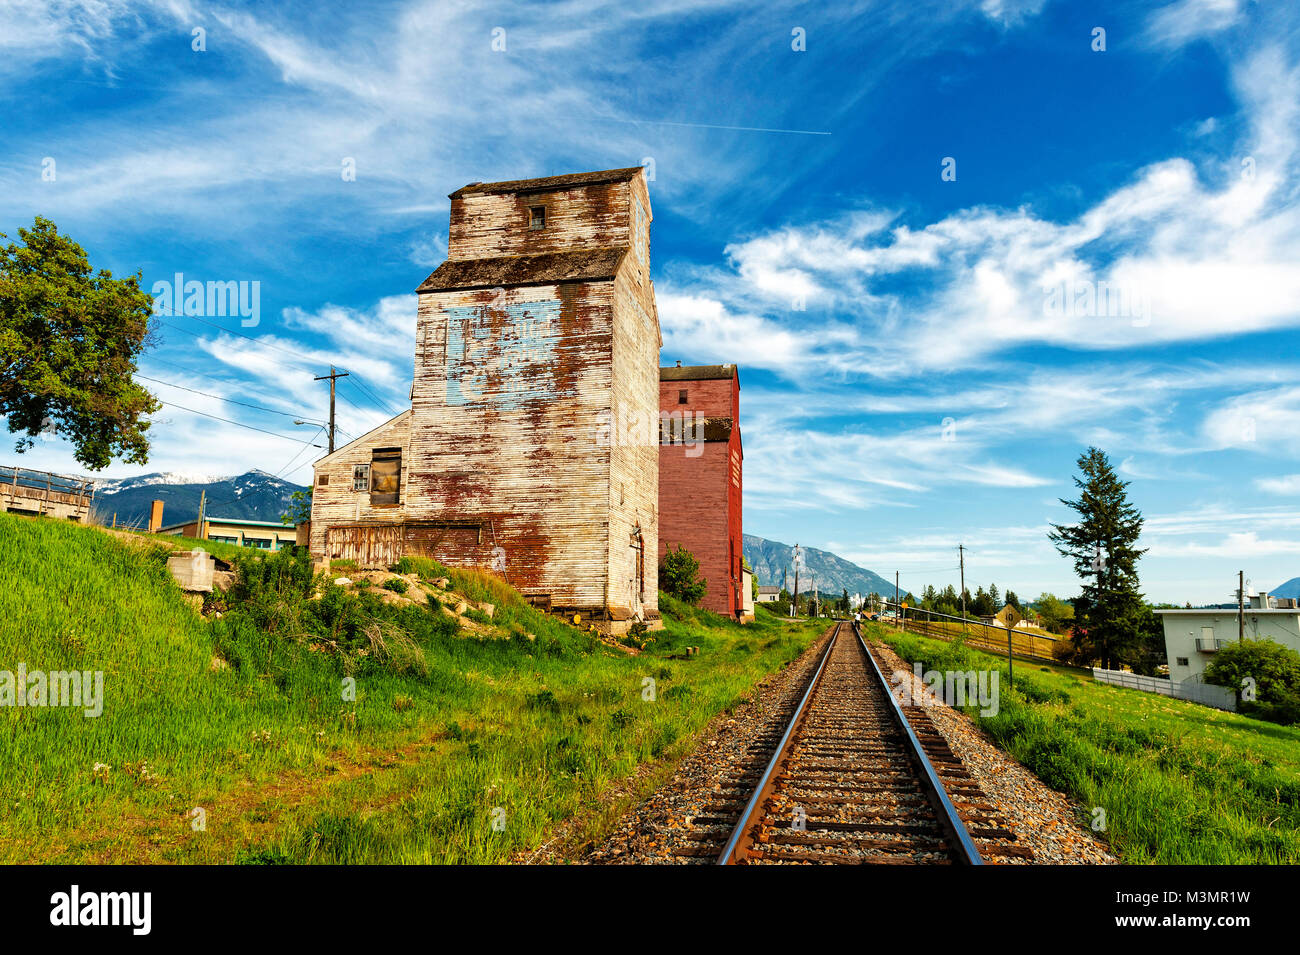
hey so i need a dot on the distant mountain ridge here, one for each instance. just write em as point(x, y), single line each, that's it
point(252, 496)
point(1289, 589)
point(831, 573)
point(258, 496)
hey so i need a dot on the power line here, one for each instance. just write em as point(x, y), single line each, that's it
point(306, 420)
point(231, 331)
point(297, 356)
point(220, 381)
point(379, 403)
point(243, 404)
point(237, 424)
point(283, 471)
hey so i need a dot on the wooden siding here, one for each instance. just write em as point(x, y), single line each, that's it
point(634, 459)
point(507, 423)
point(494, 224)
point(336, 502)
point(511, 460)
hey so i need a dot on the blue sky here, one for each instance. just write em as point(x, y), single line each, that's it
point(908, 379)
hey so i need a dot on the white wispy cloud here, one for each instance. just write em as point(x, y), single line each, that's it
point(1180, 254)
point(1262, 421)
point(1186, 20)
point(1284, 484)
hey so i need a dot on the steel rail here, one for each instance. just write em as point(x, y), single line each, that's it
point(963, 846)
point(728, 854)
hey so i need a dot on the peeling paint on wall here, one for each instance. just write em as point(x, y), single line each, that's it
point(494, 352)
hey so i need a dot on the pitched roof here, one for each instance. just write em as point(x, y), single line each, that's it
point(696, 372)
point(548, 183)
point(576, 265)
point(363, 440)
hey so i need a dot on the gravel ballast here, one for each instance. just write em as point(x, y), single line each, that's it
point(661, 828)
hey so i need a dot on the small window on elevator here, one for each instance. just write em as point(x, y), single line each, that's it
point(536, 218)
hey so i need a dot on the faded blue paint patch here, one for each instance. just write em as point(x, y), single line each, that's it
point(502, 367)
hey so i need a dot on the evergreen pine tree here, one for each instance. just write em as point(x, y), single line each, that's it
point(1109, 618)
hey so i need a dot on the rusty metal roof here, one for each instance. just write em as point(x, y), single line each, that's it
point(548, 183)
point(575, 265)
point(696, 372)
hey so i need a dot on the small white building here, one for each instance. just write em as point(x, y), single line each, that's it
point(1192, 637)
point(767, 595)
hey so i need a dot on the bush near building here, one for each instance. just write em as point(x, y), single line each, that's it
point(1270, 670)
point(679, 576)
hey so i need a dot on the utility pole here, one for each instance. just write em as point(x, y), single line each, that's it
point(1241, 606)
point(794, 604)
point(897, 609)
point(961, 557)
point(203, 500)
point(332, 376)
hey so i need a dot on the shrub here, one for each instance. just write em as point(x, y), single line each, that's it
point(1275, 670)
point(679, 575)
point(397, 585)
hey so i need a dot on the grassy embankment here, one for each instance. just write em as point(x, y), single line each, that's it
point(452, 728)
point(1179, 783)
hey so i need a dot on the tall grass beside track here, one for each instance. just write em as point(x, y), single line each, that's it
point(1178, 782)
point(245, 717)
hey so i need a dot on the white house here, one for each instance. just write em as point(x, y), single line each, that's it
point(767, 595)
point(1192, 637)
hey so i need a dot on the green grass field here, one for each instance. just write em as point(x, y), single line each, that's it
point(1027, 643)
point(1179, 783)
point(456, 749)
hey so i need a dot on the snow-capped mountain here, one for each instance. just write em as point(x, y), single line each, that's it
point(166, 477)
point(255, 496)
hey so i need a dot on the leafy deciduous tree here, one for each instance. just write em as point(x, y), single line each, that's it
point(69, 341)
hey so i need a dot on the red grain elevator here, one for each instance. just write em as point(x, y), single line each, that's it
point(701, 480)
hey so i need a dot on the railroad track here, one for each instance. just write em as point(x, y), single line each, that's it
point(846, 775)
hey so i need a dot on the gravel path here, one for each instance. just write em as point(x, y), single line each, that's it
point(737, 746)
